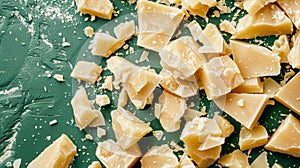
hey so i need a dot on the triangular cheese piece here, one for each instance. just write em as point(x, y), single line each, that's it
point(292, 9)
point(256, 137)
point(261, 161)
point(294, 55)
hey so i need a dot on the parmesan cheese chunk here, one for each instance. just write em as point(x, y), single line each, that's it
point(195, 29)
point(100, 8)
point(186, 162)
point(270, 87)
point(225, 126)
point(294, 55)
point(276, 165)
point(124, 31)
point(198, 7)
point(281, 47)
point(57, 155)
point(254, 60)
point(86, 71)
point(286, 137)
point(98, 121)
point(95, 164)
point(205, 158)
point(253, 6)
point(292, 9)
point(236, 159)
point(261, 161)
point(102, 100)
point(250, 85)
point(112, 155)
point(107, 84)
point(256, 137)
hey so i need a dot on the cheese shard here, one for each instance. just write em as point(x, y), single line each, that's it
point(128, 128)
point(276, 165)
point(269, 20)
point(156, 35)
point(186, 162)
point(95, 164)
point(256, 137)
point(211, 142)
point(57, 155)
point(235, 159)
point(198, 7)
point(254, 60)
point(86, 71)
point(83, 110)
point(261, 161)
point(204, 159)
point(195, 29)
point(294, 55)
point(250, 85)
point(112, 155)
point(107, 84)
point(253, 6)
point(225, 126)
point(219, 76)
point(104, 44)
point(102, 100)
point(292, 9)
point(286, 137)
point(98, 121)
point(248, 113)
point(124, 31)
point(270, 87)
point(281, 47)
point(289, 95)
point(100, 8)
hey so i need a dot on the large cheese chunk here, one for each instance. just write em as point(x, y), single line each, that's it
point(253, 6)
point(294, 55)
point(269, 20)
point(243, 107)
point(205, 158)
point(286, 137)
point(281, 47)
point(104, 44)
point(112, 155)
point(256, 137)
point(292, 9)
point(289, 95)
point(250, 85)
point(159, 156)
point(171, 110)
point(198, 7)
point(128, 128)
point(254, 60)
point(219, 76)
point(261, 161)
point(157, 24)
point(181, 57)
point(57, 155)
point(101, 8)
point(124, 31)
point(83, 109)
point(86, 71)
point(236, 159)
point(270, 87)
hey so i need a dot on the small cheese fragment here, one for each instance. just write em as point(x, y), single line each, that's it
point(59, 77)
point(89, 31)
point(128, 128)
point(292, 9)
point(100, 8)
point(107, 84)
point(98, 121)
point(100, 132)
point(276, 165)
point(204, 159)
point(84, 112)
point(294, 55)
point(159, 156)
point(261, 161)
point(112, 155)
point(228, 27)
point(219, 76)
point(254, 60)
point(269, 20)
point(248, 114)
point(198, 7)
point(156, 35)
point(253, 6)
point(236, 159)
point(124, 31)
point(190, 114)
point(225, 126)
point(289, 95)
point(286, 137)
point(158, 134)
point(250, 85)
point(57, 155)
point(186, 162)
point(256, 137)
point(123, 98)
point(171, 110)
point(281, 47)
point(195, 29)
point(102, 100)
point(104, 44)
point(270, 87)
point(95, 164)
point(86, 71)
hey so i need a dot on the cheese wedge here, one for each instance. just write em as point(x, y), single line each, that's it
point(254, 60)
point(57, 155)
point(269, 20)
point(198, 7)
point(159, 156)
point(95, 164)
point(281, 47)
point(156, 35)
point(244, 108)
point(292, 9)
point(171, 110)
point(225, 126)
point(124, 31)
point(289, 95)
point(256, 137)
point(294, 55)
point(86, 71)
point(219, 76)
point(253, 6)
point(236, 159)
point(286, 137)
point(112, 155)
point(83, 109)
point(100, 8)
point(204, 159)
point(261, 161)
point(250, 85)
point(128, 128)
point(104, 44)
point(186, 162)
point(270, 87)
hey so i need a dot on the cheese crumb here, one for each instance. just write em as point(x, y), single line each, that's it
point(59, 77)
point(66, 44)
point(89, 137)
point(241, 102)
point(17, 163)
point(89, 31)
point(53, 122)
point(158, 134)
point(107, 84)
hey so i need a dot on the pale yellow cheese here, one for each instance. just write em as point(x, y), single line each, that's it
point(195, 29)
point(190, 114)
point(269, 20)
point(86, 71)
point(171, 110)
point(270, 87)
point(211, 142)
point(253, 6)
point(281, 47)
point(98, 121)
point(256, 137)
point(204, 159)
point(294, 55)
point(186, 162)
point(219, 76)
point(104, 44)
point(156, 35)
point(261, 161)
point(276, 165)
point(102, 100)
point(124, 31)
point(225, 126)
point(112, 155)
point(100, 132)
point(250, 85)
point(292, 9)
point(128, 128)
point(286, 137)
point(57, 155)
point(236, 159)
point(228, 27)
point(123, 98)
point(89, 31)
point(289, 95)
point(248, 113)
point(159, 156)
point(83, 110)
point(198, 7)
point(254, 60)
point(101, 8)
point(107, 84)
point(95, 164)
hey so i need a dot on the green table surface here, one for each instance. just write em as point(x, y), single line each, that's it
point(31, 36)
